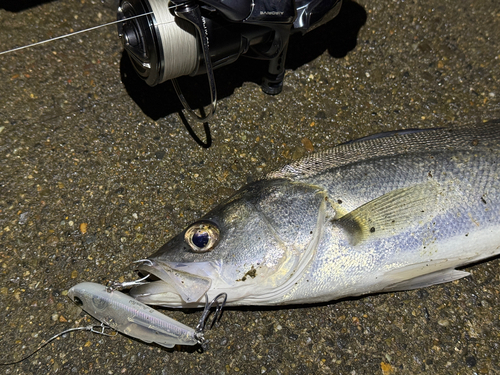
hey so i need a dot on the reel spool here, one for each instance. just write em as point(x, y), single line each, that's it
point(160, 45)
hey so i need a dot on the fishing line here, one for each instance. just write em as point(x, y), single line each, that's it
point(80, 32)
point(100, 329)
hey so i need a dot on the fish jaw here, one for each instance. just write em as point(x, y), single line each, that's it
point(180, 284)
point(190, 285)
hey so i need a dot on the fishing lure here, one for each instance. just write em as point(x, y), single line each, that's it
point(133, 318)
point(122, 313)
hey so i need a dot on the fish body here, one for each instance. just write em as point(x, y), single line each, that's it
point(388, 213)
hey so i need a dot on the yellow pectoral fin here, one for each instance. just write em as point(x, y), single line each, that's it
point(392, 212)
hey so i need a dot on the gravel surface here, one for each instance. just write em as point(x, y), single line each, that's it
point(98, 170)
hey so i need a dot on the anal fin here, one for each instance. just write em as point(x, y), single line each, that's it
point(433, 278)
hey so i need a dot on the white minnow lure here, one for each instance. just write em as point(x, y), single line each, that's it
point(131, 317)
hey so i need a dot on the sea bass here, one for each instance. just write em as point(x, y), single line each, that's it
point(392, 212)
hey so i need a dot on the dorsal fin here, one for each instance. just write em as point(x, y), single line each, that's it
point(470, 137)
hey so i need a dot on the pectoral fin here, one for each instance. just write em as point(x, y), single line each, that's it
point(392, 212)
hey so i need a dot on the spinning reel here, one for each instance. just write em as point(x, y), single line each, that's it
point(188, 37)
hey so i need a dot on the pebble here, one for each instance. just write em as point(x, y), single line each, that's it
point(444, 322)
point(83, 228)
point(307, 144)
point(52, 240)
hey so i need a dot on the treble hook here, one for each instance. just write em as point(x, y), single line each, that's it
point(206, 312)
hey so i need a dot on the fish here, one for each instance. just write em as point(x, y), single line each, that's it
point(390, 212)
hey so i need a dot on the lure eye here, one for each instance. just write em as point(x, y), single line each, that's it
point(202, 236)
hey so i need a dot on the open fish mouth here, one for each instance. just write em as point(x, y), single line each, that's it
point(179, 284)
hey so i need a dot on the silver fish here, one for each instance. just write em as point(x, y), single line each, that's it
point(392, 212)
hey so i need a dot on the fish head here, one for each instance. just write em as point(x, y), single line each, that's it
point(247, 247)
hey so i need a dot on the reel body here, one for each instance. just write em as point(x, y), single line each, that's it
point(176, 37)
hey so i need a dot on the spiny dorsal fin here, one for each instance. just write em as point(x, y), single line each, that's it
point(473, 137)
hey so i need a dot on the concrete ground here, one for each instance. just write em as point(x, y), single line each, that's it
point(98, 170)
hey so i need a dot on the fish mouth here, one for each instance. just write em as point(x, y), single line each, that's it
point(179, 284)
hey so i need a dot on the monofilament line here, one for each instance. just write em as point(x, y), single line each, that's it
point(72, 34)
point(100, 329)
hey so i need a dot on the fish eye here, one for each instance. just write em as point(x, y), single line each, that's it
point(202, 236)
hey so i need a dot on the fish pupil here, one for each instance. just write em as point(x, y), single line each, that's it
point(201, 239)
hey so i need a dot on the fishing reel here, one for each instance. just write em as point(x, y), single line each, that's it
point(169, 39)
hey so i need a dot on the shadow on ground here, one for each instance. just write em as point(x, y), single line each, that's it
point(20, 5)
